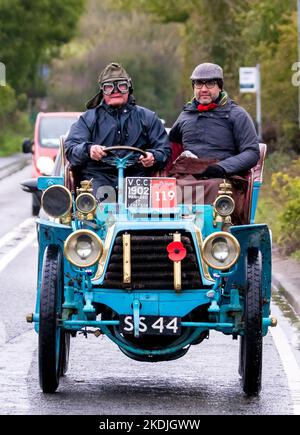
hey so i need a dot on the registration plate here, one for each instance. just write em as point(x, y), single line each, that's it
point(150, 192)
point(152, 325)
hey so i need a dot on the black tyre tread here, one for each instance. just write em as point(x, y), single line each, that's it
point(35, 206)
point(252, 342)
point(35, 210)
point(49, 379)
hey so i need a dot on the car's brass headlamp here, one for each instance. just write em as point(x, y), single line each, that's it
point(221, 250)
point(224, 205)
point(57, 201)
point(86, 205)
point(83, 248)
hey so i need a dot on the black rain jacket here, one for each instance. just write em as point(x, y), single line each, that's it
point(226, 133)
point(130, 125)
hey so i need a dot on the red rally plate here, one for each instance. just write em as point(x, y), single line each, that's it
point(150, 192)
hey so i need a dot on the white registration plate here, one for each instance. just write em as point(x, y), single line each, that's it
point(152, 325)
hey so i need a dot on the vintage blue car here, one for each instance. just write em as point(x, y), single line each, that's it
point(153, 275)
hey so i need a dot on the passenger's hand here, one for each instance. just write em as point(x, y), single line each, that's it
point(148, 161)
point(97, 152)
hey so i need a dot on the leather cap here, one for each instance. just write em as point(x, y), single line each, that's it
point(113, 71)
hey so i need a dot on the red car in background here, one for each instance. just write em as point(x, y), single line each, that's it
point(48, 129)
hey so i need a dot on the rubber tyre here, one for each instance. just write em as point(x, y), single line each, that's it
point(36, 204)
point(50, 351)
point(250, 366)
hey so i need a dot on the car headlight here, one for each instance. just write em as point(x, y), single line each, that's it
point(57, 201)
point(220, 250)
point(86, 203)
point(45, 165)
point(83, 248)
point(224, 205)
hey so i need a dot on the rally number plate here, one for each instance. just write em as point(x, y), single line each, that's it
point(152, 325)
point(150, 192)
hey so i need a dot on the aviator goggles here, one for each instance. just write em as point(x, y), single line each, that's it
point(208, 83)
point(120, 86)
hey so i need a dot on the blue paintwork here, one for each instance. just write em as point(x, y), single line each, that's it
point(255, 195)
point(221, 297)
point(45, 182)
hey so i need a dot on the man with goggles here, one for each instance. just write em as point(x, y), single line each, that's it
point(118, 86)
point(113, 118)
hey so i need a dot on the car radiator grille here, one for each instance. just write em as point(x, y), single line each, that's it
point(151, 267)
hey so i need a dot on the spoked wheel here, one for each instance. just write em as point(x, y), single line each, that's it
point(250, 364)
point(53, 342)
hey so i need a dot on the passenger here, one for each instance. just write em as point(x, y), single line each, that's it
point(113, 118)
point(218, 136)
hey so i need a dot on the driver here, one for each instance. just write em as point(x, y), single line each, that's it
point(113, 118)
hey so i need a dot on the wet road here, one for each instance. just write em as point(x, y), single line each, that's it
point(101, 380)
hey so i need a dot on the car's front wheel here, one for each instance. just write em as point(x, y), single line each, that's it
point(36, 203)
point(53, 342)
point(250, 366)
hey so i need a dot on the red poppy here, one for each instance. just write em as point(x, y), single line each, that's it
point(176, 250)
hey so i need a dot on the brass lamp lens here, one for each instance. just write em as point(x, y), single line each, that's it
point(224, 205)
point(221, 250)
point(83, 248)
point(86, 203)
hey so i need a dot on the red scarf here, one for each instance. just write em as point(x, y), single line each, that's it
point(206, 107)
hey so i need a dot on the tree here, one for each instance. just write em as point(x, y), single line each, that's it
point(270, 35)
point(147, 49)
point(30, 33)
point(210, 31)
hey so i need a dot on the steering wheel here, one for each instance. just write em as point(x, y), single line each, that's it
point(125, 147)
point(124, 161)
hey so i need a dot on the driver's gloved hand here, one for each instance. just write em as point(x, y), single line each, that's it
point(213, 171)
point(97, 152)
point(147, 161)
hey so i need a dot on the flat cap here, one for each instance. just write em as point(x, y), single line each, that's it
point(207, 71)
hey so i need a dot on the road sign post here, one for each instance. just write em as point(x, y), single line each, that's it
point(250, 83)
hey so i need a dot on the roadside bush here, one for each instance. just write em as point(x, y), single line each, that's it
point(286, 187)
point(14, 124)
point(8, 103)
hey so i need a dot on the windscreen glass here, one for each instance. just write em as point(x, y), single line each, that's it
point(52, 128)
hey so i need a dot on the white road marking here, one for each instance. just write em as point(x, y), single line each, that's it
point(2, 334)
point(6, 259)
point(16, 232)
point(13, 370)
point(13, 373)
point(290, 365)
point(13, 238)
